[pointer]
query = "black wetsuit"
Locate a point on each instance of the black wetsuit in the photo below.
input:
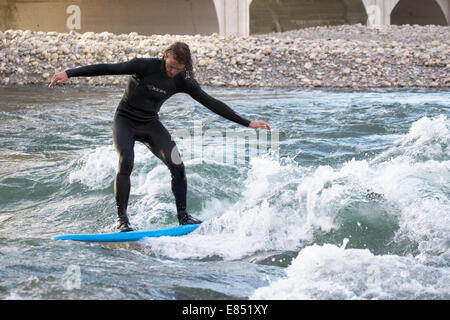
(137, 118)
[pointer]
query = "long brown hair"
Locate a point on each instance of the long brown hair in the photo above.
(180, 51)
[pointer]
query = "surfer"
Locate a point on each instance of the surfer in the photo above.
(152, 82)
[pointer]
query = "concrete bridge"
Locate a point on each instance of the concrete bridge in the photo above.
(227, 17)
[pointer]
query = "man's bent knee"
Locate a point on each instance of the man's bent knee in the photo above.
(126, 160)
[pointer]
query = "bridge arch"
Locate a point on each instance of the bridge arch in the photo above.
(282, 15)
(421, 12)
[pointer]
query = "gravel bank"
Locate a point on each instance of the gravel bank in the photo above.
(352, 56)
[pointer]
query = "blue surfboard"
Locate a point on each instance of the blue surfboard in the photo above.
(130, 236)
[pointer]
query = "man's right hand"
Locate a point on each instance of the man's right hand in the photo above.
(58, 77)
(259, 124)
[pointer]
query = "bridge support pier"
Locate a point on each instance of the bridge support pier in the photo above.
(233, 17)
(379, 12)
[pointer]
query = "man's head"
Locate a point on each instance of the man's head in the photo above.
(172, 65)
(177, 58)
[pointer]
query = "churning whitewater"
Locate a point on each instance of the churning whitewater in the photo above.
(352, 204)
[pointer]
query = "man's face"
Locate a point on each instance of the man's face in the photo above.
(173, 66)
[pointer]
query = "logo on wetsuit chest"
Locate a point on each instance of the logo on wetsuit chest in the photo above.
(156, 89)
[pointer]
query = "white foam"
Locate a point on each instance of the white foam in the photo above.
(151, 197)
(265, 219)
(282, 204)
(156, 202)
(427, 139)
(418, 190)
(331, 272)
(96, 168)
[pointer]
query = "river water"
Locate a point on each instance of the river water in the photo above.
(348, 199)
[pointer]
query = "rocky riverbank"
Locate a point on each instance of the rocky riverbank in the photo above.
(352, 56)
